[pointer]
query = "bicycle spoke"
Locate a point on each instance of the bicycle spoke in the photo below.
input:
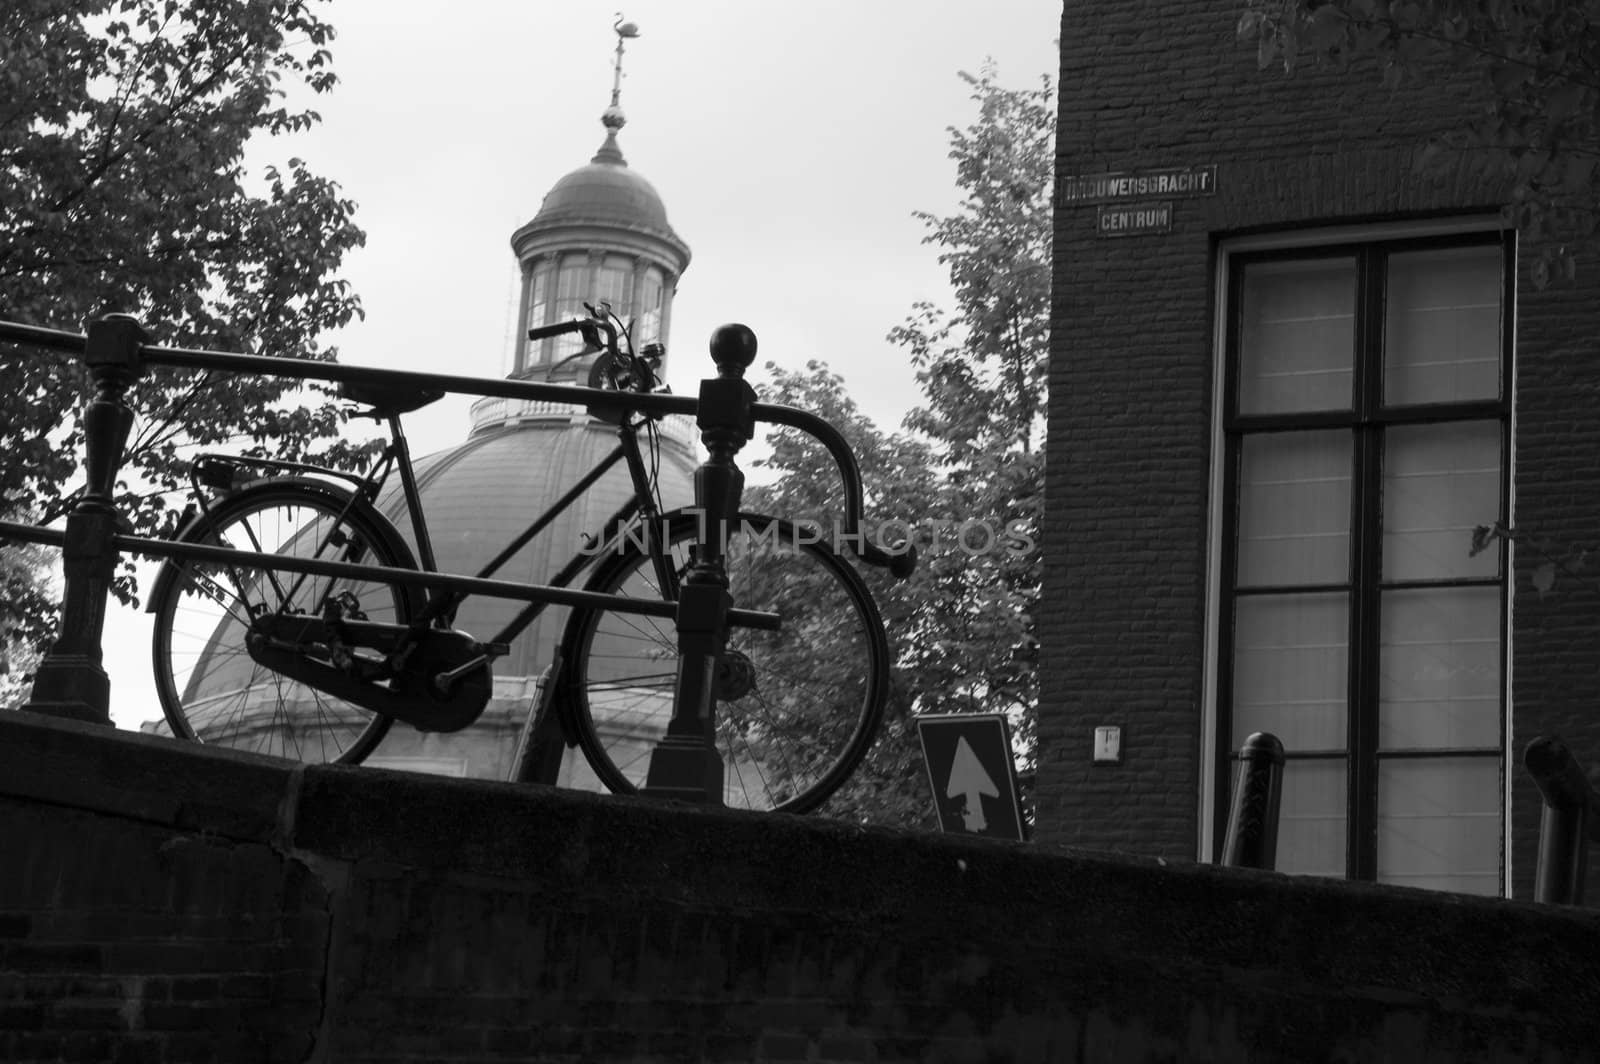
(210, 687)
(797, 707)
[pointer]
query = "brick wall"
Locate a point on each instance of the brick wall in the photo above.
(1145, 86)
(160, 902)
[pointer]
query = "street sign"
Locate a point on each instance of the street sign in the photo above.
(973, 776)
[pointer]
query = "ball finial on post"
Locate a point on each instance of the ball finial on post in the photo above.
(733, 348)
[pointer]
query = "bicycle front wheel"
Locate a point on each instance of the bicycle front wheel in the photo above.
(211, 690)
(795, 709)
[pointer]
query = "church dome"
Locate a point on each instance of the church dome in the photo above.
(604, 203)
(608, 193)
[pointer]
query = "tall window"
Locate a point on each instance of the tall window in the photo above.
(1366, 432)
(572, 288)
(614, 283)
(538, 308)
(648, 313)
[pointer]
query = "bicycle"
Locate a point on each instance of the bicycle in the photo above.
(318, 665)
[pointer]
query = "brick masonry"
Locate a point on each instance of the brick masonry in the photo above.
(1122, 624)
(163, 902)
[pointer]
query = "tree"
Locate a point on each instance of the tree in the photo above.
(966, 477)
(898, 480)
(1536, 119)
(123, 127)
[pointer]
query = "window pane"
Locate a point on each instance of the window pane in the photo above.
(1294, 508)
(538, 307)
(570, 284)
(1442, 326)
(614, 284)
(1289, 668)
(1297, 336)
(1439, 483)
(649, 309)
(1439, 823)
(1311, 818)
(1439, 679)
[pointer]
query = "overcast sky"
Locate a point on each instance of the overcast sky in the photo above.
(790, 144)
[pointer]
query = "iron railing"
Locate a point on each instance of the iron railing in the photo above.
(116, 350)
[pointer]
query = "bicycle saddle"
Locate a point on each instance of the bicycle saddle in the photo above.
(389, 399)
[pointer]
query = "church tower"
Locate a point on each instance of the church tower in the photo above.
(600, 235)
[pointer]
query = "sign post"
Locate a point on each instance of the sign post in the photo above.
(974, 779)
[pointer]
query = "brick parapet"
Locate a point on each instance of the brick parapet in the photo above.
(383, 916)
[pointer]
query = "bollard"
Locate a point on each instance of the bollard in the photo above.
(685, 764)
(1564, 826)
(70, 681)
(1252, 839)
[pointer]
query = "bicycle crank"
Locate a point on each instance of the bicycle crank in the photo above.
(327, 656)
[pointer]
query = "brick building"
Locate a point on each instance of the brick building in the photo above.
(1291, 373)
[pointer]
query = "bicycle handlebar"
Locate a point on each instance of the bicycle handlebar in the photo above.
(589, 327)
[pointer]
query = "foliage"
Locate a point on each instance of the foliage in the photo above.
(966, 477)
(123, 127)
(898, 476)
(1537, 62)
(1571, 562)
(25, 569)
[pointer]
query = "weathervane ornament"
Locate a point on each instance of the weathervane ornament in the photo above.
(613, 118)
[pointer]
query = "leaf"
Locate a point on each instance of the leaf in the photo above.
(1482, 536)
(1544, 577)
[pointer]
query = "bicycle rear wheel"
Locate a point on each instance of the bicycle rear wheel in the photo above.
(211, 690)
(796, 709)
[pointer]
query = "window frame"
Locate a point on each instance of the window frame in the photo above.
(1368, 418)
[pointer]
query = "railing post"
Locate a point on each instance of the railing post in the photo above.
(1252, 839)
(1565, 824)
(70, 681)
(685, 763)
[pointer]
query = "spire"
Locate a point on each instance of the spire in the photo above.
(613, 118)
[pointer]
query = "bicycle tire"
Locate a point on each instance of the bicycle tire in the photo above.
(790, 728)
(211, 690)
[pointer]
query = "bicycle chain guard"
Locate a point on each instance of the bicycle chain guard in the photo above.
(306, 648)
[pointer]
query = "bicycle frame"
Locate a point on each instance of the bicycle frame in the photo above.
(442, 603)
(640, 506)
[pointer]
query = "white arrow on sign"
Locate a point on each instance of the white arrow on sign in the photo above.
(968, 778)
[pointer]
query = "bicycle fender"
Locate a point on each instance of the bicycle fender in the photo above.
(193, 529)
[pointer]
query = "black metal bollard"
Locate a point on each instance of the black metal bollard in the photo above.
(1567, 821)
(1252, 839)
(70, 681)
(685, 763)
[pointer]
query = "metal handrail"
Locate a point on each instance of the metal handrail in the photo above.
(684, 763)
(593, 399)
(1568, 823)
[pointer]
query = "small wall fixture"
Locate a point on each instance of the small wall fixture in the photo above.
(1108, 745)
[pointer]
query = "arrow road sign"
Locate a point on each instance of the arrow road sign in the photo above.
(974, 780)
